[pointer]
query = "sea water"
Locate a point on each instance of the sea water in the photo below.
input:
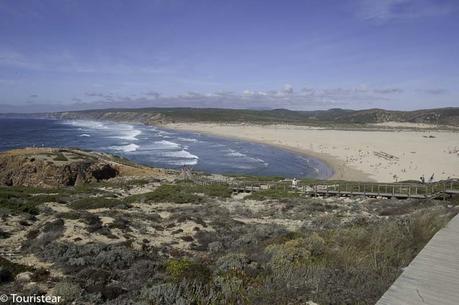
(160, 147)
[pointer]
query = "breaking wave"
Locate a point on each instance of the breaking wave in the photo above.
(163, 144)
(126, 148)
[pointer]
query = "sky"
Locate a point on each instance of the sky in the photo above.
(261, 54)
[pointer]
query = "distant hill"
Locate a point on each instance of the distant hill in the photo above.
(151, 116)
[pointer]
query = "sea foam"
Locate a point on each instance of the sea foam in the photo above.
(126, 148)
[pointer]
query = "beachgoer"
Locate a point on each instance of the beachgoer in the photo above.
(294, 183)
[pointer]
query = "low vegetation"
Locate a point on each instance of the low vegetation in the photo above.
(95, 203)
(60, 157)
(114, 243)
(442, 116)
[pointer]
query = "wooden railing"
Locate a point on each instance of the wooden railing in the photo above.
(402, 190)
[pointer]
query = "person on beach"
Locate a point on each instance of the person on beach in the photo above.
(423, 180)
(294, 183)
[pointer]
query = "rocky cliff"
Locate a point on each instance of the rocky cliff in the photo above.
(48, 167)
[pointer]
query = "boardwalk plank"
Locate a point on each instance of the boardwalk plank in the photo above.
(432, 278)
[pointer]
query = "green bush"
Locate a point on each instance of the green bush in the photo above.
(19, 205)
(95, 203)
(212, 190)
(28, 199)
(67, 290)
(292, 254)
(180, 269)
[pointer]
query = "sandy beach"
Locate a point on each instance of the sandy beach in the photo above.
(383, 155)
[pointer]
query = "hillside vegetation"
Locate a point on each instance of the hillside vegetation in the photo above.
(159, 239)
(440, 116)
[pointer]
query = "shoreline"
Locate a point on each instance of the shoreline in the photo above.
(340, 170)
(357, 155)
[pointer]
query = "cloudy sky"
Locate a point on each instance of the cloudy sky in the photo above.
(296, 54)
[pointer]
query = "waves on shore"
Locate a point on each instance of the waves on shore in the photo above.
(143, 142)
(126, 148)
(161, 147)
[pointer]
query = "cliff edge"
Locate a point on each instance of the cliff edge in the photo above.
(53, 167)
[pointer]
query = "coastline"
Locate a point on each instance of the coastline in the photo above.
(359, 155)
(340, 170)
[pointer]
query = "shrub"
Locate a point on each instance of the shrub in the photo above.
(19, 205)
(69, 215)
(5, 275)
(180, 269)
(232, 262)
(4, 235)
(9, 270)
(291, 254)
(212, 190)
(316, 244)
(67, 290)
(95, 203)
(25, 200)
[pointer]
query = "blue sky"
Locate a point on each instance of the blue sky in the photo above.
(297, 54)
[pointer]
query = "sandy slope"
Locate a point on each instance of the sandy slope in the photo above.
(356, 154)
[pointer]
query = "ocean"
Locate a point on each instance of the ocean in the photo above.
(160, 147)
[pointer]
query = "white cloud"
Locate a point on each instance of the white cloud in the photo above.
(288, 89)
(287, 97)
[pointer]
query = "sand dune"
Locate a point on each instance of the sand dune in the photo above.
(380, 155)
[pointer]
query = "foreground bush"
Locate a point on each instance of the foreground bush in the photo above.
(95, 203)
(352, 265)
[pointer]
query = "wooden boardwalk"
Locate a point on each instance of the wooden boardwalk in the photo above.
(432, 278)
(437, 190)
(387, 190)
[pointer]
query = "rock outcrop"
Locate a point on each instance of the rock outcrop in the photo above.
(53, 168)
